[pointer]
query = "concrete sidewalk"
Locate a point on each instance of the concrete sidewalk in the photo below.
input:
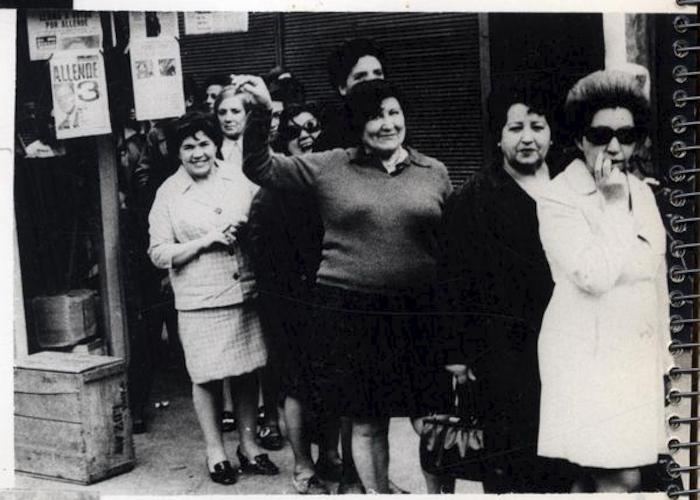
(170, 456)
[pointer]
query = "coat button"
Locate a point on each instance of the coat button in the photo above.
(236, 276)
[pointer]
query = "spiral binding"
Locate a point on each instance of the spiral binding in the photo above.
(683, 176)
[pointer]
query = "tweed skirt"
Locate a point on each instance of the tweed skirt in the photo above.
(222, 342)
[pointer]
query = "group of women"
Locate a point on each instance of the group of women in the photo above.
(338, 254)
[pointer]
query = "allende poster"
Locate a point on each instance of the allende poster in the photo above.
(79, 91)
(156, 73)
(57, 30)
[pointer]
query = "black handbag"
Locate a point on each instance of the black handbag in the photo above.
(453, 445)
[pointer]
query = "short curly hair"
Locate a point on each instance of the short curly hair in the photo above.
(344, 57)
(364, 102)
(601, 90)
(187, 126)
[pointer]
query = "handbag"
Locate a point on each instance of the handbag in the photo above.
(453, 444)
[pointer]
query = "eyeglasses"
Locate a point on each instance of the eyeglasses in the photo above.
(293, 130)
(601, 136)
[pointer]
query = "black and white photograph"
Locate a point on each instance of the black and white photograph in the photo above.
(378, 253)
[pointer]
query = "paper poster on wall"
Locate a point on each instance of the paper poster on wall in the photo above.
(156, 73)
(152, 25)
(79, 91)
(50, 31)
(207, 22)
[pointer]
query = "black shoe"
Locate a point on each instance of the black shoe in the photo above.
(329, 471)
(223, 473)
(228, 422)
(270, 438)
(261, 464)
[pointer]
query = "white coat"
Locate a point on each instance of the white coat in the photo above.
(603, 348)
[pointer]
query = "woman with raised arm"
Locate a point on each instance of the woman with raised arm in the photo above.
(381, 203)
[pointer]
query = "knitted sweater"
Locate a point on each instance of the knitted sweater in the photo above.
(380, 228)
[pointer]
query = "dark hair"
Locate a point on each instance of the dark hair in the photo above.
(222, 80)
(190, 88)
(344, 57)
(188, 126)
(283, 86)
(537, 95)
(605, 89)
(364, 102)
(289, 113)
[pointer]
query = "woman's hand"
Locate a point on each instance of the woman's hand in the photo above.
(254, 88)
(225, 235)
(610, 180)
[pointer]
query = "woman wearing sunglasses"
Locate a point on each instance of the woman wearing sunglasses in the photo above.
(603, 346)
(299, 128)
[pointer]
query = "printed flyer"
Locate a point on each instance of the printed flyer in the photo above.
(56, 30)
(79, 91)
(156, 73)
(207, 22)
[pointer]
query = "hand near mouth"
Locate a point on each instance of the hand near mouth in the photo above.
(611, 179)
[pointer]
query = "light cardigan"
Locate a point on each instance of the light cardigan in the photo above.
(182, 212)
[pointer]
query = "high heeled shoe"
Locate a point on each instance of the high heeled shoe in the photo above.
(223, 473)
(261, 464)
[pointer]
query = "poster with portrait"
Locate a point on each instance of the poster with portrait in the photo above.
(152, 24)
(156, 73)
(79, 91)
(56, 30)
(207, 22)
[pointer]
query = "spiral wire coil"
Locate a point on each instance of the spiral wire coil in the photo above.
(685, 227)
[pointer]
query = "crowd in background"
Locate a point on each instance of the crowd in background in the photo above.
(315, 258)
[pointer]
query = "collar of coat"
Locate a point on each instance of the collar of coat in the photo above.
(184, 181)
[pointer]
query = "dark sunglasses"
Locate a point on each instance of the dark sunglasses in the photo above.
(603, 135)
(293, 130)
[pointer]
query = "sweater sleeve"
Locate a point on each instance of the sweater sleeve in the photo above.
(270, 170)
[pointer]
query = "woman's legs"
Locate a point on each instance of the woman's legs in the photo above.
(206, 398)
(370, 450)
(244, 389)
(329, 437)
(270, 382)
(294, 420)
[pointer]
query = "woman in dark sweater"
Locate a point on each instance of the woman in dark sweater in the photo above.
(381, 204)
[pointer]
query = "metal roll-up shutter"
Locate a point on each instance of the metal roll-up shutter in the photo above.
(434, 58)
(251, 52)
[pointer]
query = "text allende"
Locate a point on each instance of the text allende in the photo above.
(75, 72)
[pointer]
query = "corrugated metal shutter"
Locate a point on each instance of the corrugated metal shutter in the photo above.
(434, 58)
(252, 52)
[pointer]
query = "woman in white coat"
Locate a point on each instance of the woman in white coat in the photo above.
(603, 348)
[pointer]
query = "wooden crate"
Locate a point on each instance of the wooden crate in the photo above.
(64, 319)
(72, 418)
